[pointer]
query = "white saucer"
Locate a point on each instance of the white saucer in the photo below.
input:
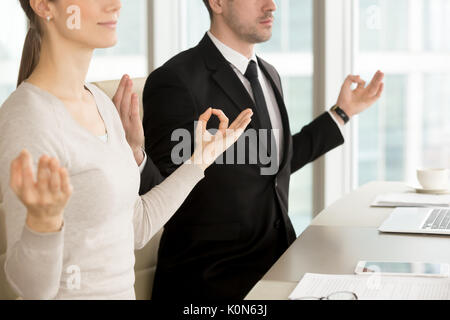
(431, 191)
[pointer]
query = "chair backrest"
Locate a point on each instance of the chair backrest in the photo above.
(146, 258)
(110, 87)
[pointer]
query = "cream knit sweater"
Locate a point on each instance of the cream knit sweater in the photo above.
(105, 220)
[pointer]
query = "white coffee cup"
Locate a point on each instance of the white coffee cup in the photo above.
(433, 179)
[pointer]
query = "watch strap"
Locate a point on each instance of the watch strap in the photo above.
(341, 113)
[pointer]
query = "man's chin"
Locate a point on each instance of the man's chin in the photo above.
(265, 39)
(260, 38)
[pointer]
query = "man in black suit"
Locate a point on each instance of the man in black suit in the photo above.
(235, 223)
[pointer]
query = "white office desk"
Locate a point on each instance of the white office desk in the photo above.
(342, 235)
(353, 210)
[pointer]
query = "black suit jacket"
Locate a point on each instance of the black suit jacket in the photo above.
(235, 224)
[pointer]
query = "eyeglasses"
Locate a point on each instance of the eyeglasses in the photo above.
(341, 295)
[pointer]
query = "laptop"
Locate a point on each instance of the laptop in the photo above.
(418, 220)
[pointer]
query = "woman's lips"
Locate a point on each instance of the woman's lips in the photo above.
(109, 24)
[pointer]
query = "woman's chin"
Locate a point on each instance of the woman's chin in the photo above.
(107, 43)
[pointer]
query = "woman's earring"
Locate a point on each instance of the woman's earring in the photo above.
(48, 18)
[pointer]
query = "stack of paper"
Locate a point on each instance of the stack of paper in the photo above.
(412, 200)
(373, 287)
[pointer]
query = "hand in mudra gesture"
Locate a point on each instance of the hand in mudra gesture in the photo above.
(209, 147)
(45, 197)
(362, 97)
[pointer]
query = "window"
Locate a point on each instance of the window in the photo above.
(13, 29)
(409, 127)
(290, 51)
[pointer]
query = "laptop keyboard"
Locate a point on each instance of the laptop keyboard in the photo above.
(439, 219)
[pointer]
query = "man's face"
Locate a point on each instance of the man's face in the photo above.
(251, 20)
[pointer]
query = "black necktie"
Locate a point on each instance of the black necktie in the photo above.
(260, 102)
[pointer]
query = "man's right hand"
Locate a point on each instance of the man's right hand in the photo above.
(44, 198)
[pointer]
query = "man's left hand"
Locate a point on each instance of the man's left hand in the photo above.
(353, 102)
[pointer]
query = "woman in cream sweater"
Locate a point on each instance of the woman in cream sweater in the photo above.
(72, 229)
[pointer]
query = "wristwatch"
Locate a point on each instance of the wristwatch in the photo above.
(341, 113)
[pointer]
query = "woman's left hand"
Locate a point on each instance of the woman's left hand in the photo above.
(127, 105)
(356, 101)
(209, 147)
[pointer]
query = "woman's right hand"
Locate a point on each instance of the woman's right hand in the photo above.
(44, 198)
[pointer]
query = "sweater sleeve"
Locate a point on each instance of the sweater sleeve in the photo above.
(34, 261)
(154, 209)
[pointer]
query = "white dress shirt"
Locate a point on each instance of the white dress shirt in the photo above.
(144, 162)
(239, 63)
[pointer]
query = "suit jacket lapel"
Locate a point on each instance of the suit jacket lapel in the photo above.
(227, 79)
(271, 74)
